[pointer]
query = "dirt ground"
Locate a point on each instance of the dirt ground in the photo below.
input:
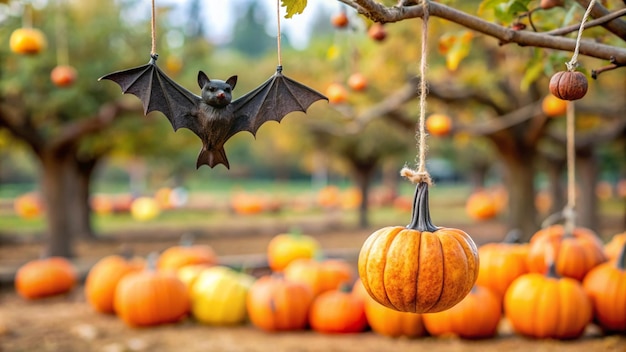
(66, 323)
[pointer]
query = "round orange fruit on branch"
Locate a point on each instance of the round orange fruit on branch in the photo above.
(63, 75)
(439, 125)
(340, 20)
(336, 93)
(28, 41)
(420, 268)
(357, 82)
(553, 106)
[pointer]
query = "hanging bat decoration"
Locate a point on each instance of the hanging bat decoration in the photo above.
(214, 116)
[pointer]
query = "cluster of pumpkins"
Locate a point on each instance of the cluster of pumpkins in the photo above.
(543, 296)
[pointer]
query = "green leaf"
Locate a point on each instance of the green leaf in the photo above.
(488, 5)
(293, 7)
(534, 69)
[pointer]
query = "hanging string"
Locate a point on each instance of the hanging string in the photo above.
(27, 16)
(421, 175)
(573, 63)
(569, 210)
(61, 35)
(153, 30)
(280, 60)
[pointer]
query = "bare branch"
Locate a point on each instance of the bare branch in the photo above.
(593, 23)
(617, 27)
(383, 14)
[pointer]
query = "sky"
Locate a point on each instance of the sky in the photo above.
(223, 15)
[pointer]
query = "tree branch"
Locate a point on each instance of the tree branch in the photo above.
(597, 22)
(617, 27)
(383, 14)
(103, 119)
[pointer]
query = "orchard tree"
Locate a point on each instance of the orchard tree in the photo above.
(515, 122)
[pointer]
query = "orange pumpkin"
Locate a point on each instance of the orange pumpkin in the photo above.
(614, 246)
(103, 278)
(578, 252)
(386, 321)
(477, 316)
(606, 286)
(481, 205)
(45, 277)
(320, 276)
(419, 268)
(275, 304)
(337, 311)
(186, 253)
(500, 264)
(285, 248)
(150, 297)
(547, 306)
(28, 206)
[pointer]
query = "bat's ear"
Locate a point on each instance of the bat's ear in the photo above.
(203, 79)
(232, 82)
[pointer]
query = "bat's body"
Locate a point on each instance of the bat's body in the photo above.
(213, 116)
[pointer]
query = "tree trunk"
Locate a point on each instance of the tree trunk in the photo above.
(363, 181)
(555, 169)
(587, 201)
(81, 206)
(520, 184)
(57, 191)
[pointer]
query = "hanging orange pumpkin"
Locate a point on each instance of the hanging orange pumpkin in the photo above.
(275, 304)
(606, 286)
(320, 276)
(500, 264)
(150, 297)
(103, 278)
(386, 321)
(337, 311)
(45, 277)
(578, 252)
(419, 268)
(547, 306)
(477, 316)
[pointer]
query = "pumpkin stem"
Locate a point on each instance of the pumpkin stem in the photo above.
(550, 259)
(513, 236)
(621, 258)
(152, 259)
(187, 239)
(420, 216)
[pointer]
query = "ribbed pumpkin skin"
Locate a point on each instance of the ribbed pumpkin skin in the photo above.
(577, 254)
(151, 298)
(390, 322)
(606, 286)
(477, 316)
(176, 257)
(275, 304)
(546, 307)
(419, 272)
(45, 277)
(337, 312)
(320, 276)
(500, 264)
(103, 279)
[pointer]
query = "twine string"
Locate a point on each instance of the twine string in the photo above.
(61, 35)
(280, 60)
(153, 30)
(421, 174)
(569, 210)
(573, 63)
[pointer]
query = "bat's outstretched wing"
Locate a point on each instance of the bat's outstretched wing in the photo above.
(271, 101)
(158, 92)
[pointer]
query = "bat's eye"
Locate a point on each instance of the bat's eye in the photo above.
(212, 89)
(227, 90)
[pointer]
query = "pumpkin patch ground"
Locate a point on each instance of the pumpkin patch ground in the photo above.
(68, 323)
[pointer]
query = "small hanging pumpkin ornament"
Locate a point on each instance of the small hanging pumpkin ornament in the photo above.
(420, 268)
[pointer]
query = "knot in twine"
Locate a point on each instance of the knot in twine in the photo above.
(416, 176)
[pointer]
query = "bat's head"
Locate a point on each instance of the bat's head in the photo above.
(215, 92)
